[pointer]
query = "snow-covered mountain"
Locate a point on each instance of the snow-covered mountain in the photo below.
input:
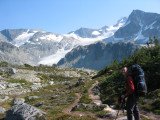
(101, 33)
(48, 48)
(138, 28)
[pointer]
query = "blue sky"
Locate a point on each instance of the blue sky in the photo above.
(63, 16)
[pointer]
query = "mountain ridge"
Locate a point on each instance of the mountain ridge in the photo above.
(97, 55)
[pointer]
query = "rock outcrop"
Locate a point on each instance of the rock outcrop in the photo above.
(23, 112)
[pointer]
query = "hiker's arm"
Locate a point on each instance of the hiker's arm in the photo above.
(130, 86)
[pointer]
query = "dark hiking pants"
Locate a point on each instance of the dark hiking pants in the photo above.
(132, 107)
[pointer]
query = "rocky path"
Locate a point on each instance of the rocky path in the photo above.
(79, 113)
(68, 110)
(95, 99)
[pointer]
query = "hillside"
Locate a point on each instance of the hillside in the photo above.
(98, 55)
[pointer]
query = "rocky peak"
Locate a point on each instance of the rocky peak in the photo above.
(139, 27)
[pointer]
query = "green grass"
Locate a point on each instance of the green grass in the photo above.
(85, 99)
(69, 117)
(151, 103)
(2, 116)
(18, 81)
(144, 118)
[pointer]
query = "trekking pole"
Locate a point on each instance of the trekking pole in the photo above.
(118, 110)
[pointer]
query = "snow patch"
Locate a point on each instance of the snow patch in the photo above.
(150, 26)
(83, 56)
(52, 37)
(116, 27)
(140, 36)
(72, 35)
(53, 59)
(118, 39)
(23, 38)
(95, 33)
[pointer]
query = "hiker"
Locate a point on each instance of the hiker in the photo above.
(132, 98)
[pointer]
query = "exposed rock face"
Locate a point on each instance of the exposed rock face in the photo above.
(14, 55)
(97, 56)
(23, 112)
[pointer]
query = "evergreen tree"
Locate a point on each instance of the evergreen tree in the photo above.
(156, 41)
(150, 40)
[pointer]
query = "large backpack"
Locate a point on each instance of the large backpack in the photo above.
(139, 80)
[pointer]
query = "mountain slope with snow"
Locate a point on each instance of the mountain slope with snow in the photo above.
(138, 28)
(101, 33)
(48, 48)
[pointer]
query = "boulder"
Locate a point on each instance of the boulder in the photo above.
(2, 110)
(2, 70)
(51, 82)
(23, 112)
(4, 99)
(81, 79)
(67, 82)
(17, 101)
(3, 86)
(36, 86)
(12, 70)
(13, 85)
(32, 97)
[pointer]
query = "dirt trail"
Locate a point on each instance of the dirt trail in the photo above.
(68, 110)
(94, 98)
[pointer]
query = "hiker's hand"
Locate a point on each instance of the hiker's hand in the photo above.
(123, 96)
